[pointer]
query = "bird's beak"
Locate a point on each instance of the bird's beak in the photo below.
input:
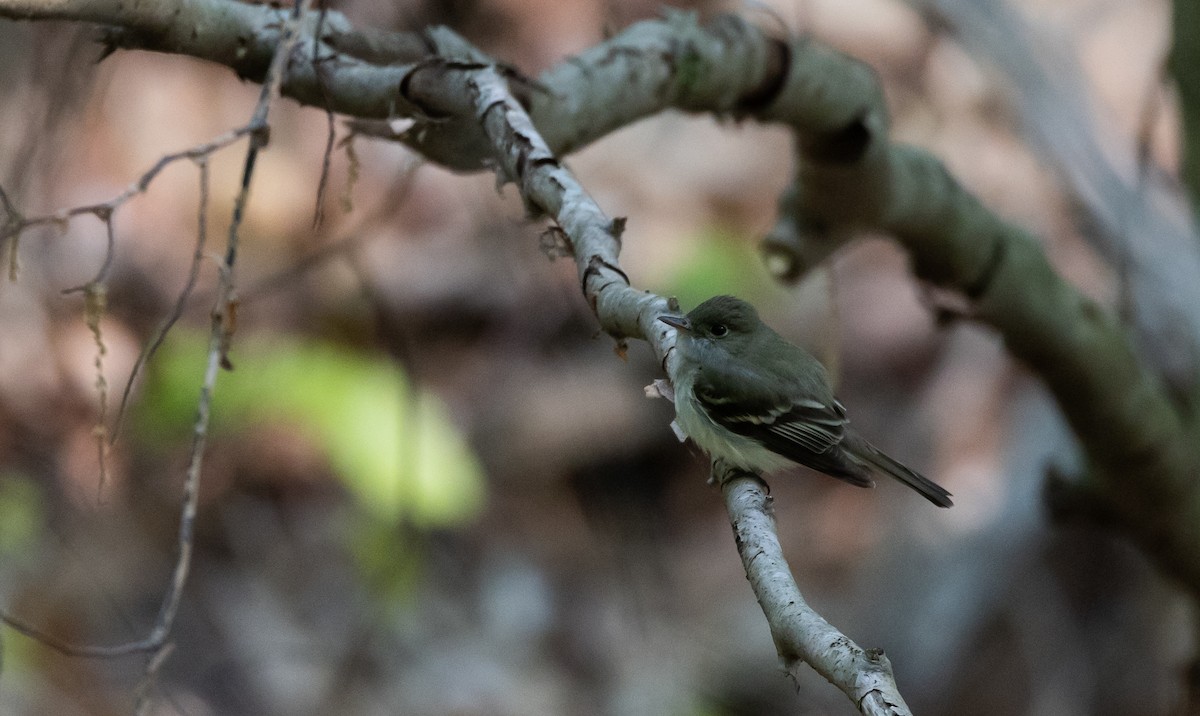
(680, 322)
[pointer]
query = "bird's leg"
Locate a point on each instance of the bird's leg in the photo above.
(723, 471)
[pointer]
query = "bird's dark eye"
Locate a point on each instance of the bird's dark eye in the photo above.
(719, 330)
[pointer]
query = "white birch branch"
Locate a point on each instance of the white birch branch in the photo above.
(801, 635)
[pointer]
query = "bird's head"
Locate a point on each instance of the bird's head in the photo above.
(721, 321)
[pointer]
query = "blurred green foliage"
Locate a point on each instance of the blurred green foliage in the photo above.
(721, 262)
(22, 526)
(22, 515)
(394, 446)
(390, 558)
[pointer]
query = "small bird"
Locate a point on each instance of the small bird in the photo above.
(748, 397)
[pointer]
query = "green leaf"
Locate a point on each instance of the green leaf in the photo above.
(395, 447)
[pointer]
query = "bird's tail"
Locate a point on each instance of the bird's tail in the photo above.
(871, 455)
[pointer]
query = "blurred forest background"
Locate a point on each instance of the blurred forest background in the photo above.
(432, 488)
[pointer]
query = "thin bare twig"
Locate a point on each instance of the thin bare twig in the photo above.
(353, 239)
(160, 333)
(330, 127)
(105, 214)
(16, 223)
(77, 650)
(156, 643)
(9, 209)
(9, 233)
(104, 209)
(223, 326)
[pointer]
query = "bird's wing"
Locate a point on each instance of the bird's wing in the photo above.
(795, 417)
(799, 427)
